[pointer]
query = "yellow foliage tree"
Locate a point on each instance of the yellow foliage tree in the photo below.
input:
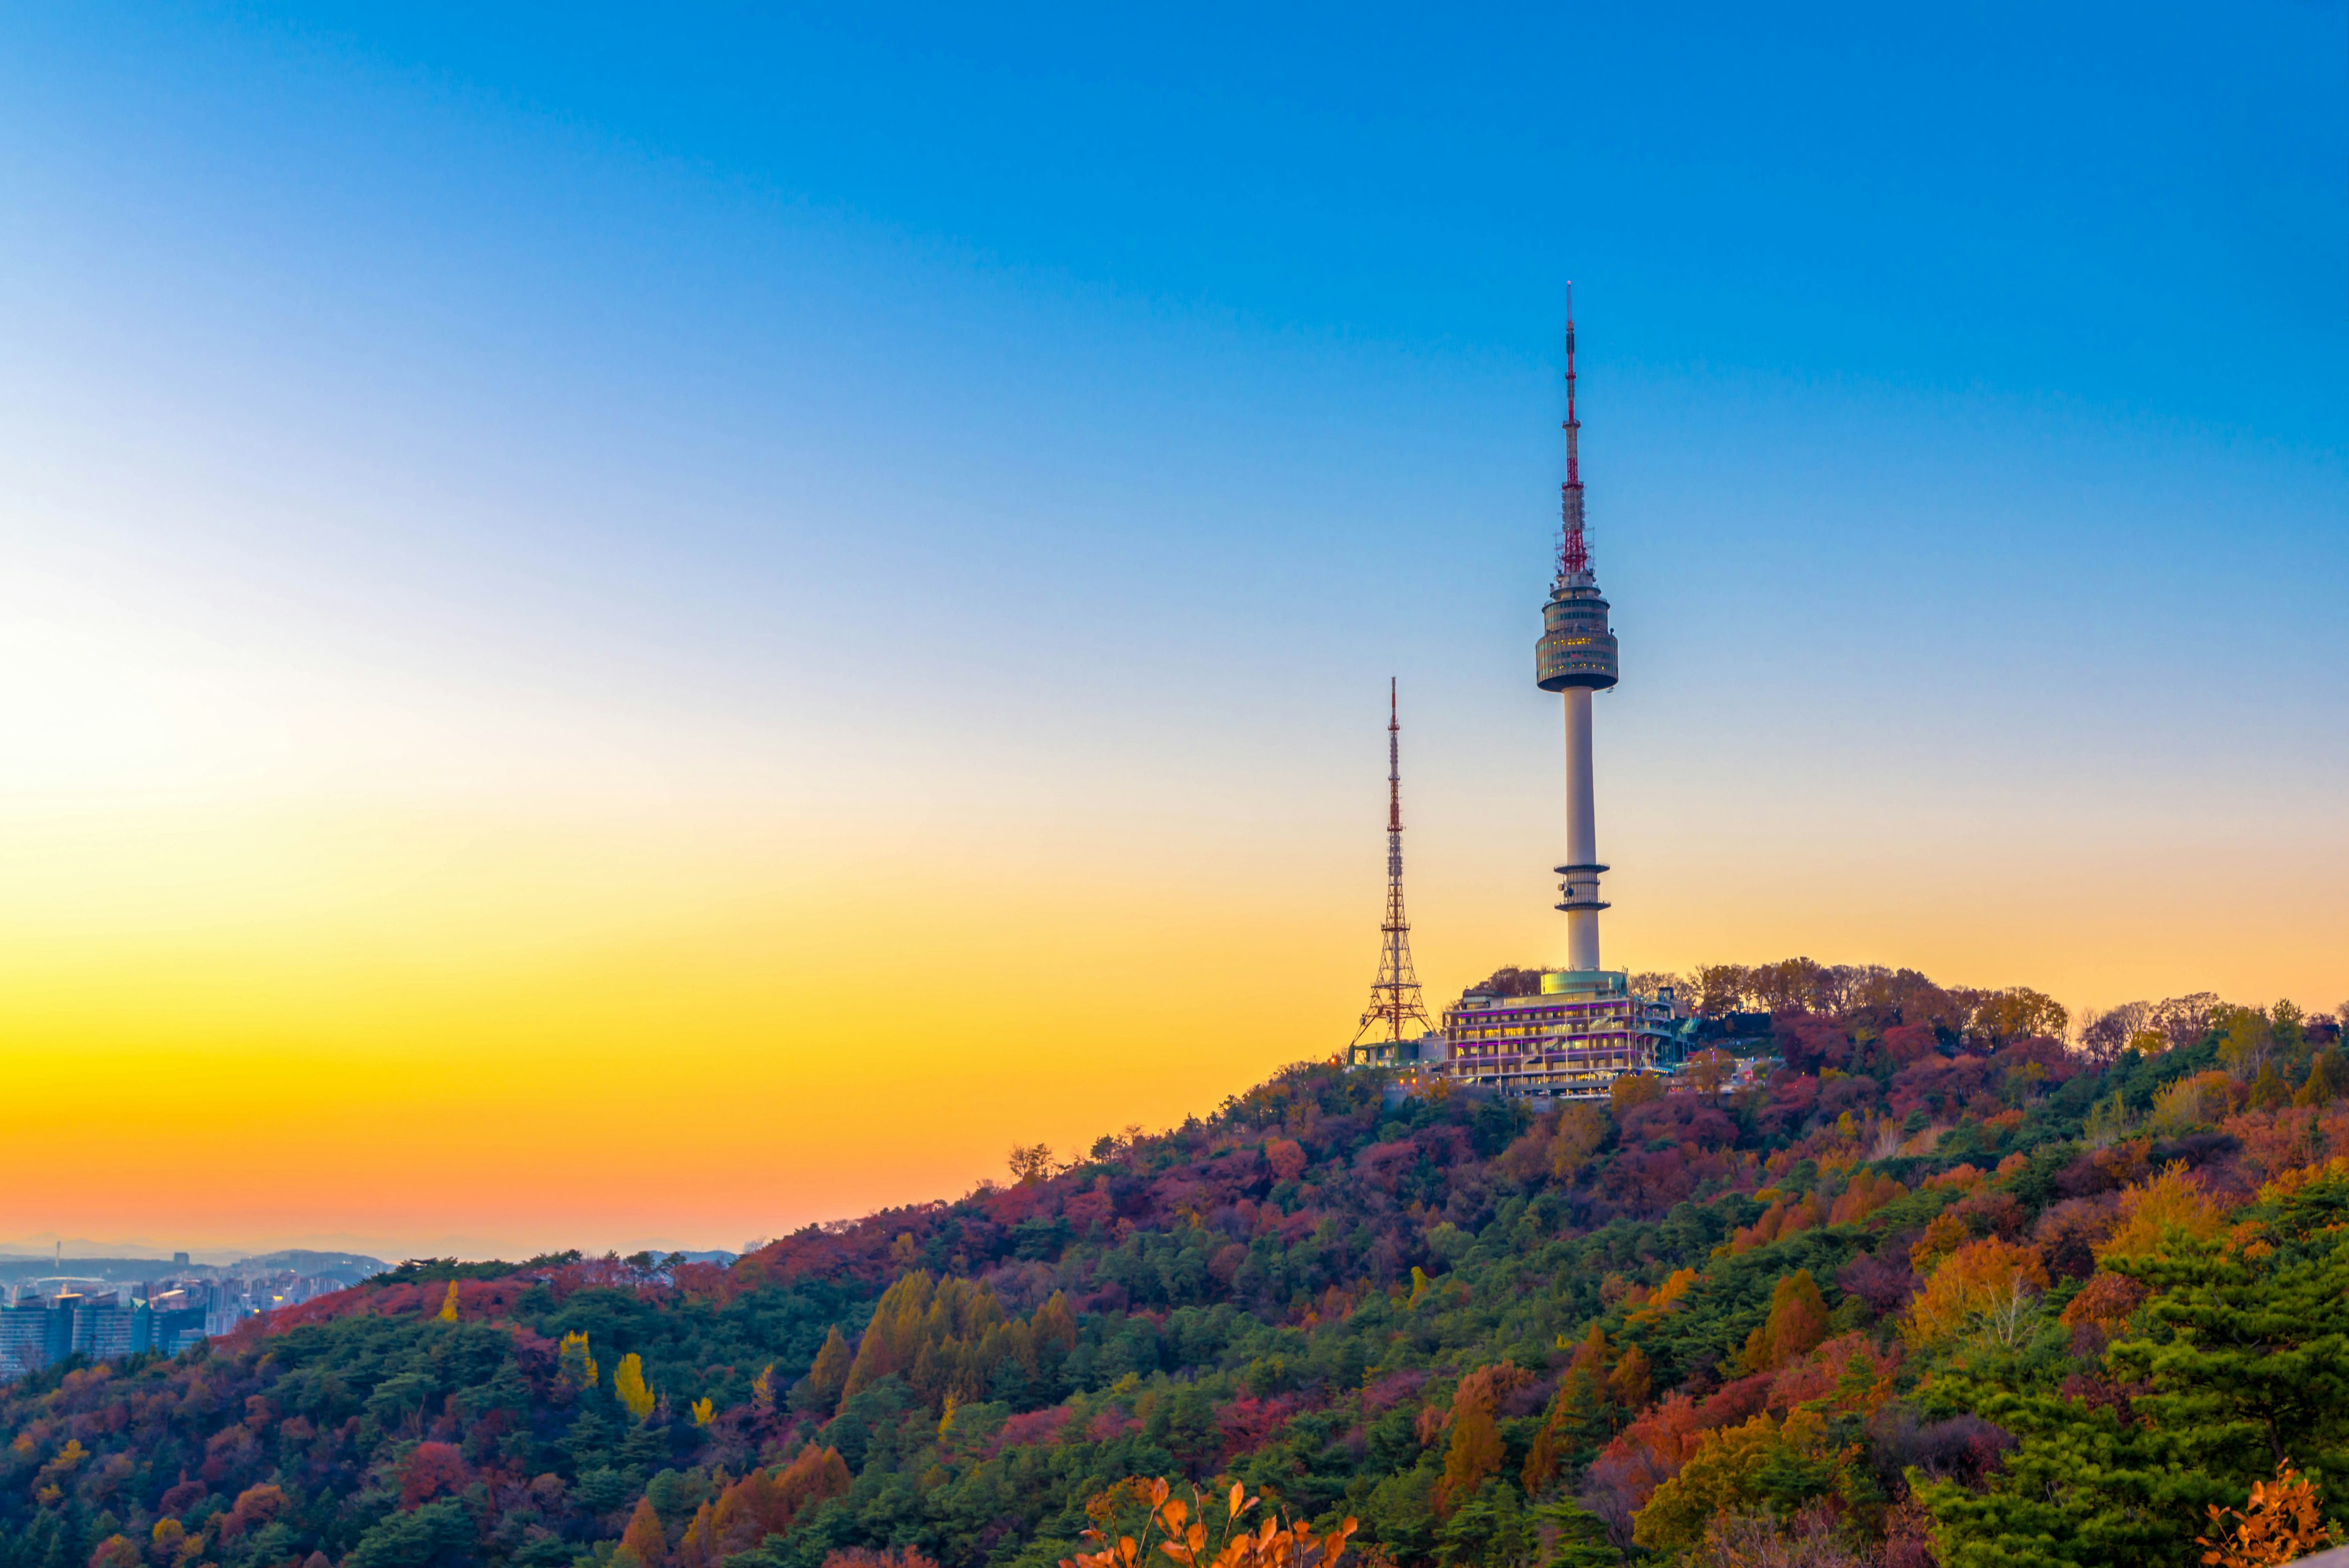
(762, 1390)
(827, 1378)
(1723, 1477)
(628, 1386)
(2199, 1100)
(946, 1337)
(448, 1305)
(1634, 1089)
(1944, 1234)
(1054, 1323)
(2327, 1080)
(1990, 1280)
(705, 1411)
(2152, 1209)
(2019, 1011)
(1581, 1130)
(573, 1365)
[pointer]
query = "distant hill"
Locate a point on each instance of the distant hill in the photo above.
(1870, 1309)
(18, 1268)
(348, 1267)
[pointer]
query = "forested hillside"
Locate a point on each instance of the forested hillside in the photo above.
(1940, 1288)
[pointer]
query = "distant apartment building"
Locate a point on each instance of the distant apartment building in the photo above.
(52, 1318)
(108, 1327)
(38, 1330)
(171, 1330)
(32, 1335)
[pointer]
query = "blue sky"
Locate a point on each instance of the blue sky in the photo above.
(938, 439)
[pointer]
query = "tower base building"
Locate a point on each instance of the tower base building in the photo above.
(1583, 1030)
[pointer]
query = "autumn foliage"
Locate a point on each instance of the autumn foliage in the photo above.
(762, 1503)
(948, 1337)
(1870, 1303)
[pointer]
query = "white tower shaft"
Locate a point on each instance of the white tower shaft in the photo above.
(1580, 871)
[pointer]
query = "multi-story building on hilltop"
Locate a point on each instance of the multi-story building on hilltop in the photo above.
(1572, 1040)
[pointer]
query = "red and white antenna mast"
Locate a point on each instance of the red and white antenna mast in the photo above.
(1573, 555)
(1395, 1001)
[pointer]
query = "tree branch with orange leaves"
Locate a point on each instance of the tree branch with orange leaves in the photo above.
(1194, 1537)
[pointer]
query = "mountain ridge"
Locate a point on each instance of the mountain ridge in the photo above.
(1496, 1334)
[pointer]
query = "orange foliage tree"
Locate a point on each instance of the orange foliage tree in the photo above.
(644, 1536)
(761, 1504)
(1777, 1222)
(1868, 1191)
(1798, 1321)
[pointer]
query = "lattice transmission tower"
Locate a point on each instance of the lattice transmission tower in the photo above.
(1394, 995)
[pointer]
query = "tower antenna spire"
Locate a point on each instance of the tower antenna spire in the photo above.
(1573, 555)
(1394, 995)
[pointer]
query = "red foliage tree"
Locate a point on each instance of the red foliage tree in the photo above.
(433, 1469)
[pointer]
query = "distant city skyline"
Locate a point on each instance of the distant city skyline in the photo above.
(620, 627)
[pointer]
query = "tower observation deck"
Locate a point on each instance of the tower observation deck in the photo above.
(1576, 656)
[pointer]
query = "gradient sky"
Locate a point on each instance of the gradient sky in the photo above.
(623, 627)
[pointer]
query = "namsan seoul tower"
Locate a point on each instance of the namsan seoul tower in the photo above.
(1576, 656)
(1586, 1028)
